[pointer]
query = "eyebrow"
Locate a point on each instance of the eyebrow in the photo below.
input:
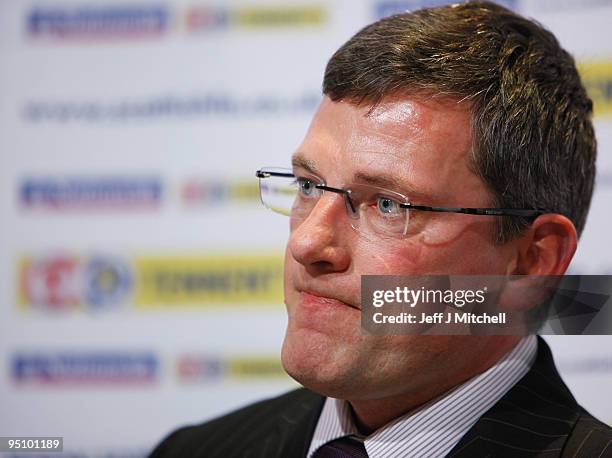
(300, 161)
(391, 183)
(382, 181)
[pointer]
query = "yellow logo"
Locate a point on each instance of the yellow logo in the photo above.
(256, 367)
(213, 280)
(210, 18)
(196, 192)
(194, 368)
(259, 17)
(597, 78)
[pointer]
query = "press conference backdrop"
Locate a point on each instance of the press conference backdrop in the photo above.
(140, 278)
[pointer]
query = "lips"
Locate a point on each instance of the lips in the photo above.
(315, 300)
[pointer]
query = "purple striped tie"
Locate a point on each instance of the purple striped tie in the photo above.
(345, 447)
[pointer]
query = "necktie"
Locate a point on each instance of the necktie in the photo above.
(345, 447)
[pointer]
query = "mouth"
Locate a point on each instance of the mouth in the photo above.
(318, 300)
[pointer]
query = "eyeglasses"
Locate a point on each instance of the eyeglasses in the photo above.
(372, 210)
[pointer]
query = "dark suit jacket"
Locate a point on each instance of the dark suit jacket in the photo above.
(538, 417)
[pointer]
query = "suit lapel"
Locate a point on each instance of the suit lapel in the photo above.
(533, 419)
(297, 424)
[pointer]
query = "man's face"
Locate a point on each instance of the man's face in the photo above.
(422, 150)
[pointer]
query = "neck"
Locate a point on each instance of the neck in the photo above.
(371, 414)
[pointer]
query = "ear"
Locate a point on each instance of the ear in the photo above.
(547, 247)
(544, 252)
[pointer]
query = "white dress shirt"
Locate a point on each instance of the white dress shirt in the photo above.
(435, 428)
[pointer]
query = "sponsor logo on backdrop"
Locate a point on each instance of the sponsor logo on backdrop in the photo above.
(99, 283)
(100, 367)
(211, 193)
(65, 282)
(81, 22)
(90, 193)
(191, 280)
(116, 21)
(215, 18)
(213, 104)
(107, 282)
(193, 368)
(387, 8)
(597, 78)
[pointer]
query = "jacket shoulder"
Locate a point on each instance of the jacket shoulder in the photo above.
(242, 432)
(589, 438)
(537, 417)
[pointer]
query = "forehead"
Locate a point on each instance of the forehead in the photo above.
(424, 145)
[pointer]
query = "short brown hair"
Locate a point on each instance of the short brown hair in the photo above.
(534, 144)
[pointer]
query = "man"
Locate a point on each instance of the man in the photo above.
(463, 106)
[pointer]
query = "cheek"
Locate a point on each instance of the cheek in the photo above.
(389, 257)
(470, 253)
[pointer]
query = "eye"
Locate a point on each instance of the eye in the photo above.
(306, 187)
(388, 206)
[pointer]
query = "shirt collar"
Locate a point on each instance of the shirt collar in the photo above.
(435, 428)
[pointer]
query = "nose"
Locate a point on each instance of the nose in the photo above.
(319, 241)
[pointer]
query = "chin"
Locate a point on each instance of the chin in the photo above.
(316, 366)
